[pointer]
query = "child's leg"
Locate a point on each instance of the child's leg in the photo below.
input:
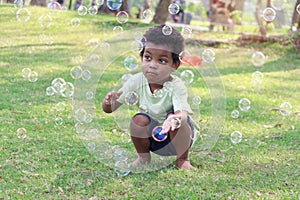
(139, 127)
(181, 140)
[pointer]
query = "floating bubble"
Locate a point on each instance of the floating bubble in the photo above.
(138, 36)
(158, 135)
(131, 63)
(54, 5)
(122, 17)
(78, 59)
(89, 95)
(75, 22)
(23, 15)
(91, 146)
(45, 21)
(184, 54)
(244, 104)
(208, 55)
(99, 2)
(286, 109)
(88, 118)
(167, 30)
(196, 100)
(93, 59)
(187, 76)
(25, 72)
(50, 91)
(235, 114)
(186, 31)
(174, 8)
(80, 115)
(158, 93)
(18, 4)
(125, 77)
(114, 4)
(59, 121)
(68, 90)
(120, 154)
(131, 98)
(298, 8)
(258, 59)
(136, 46)
(21, 133)
(82, 10)
(64, 8)
(80, 127)
(60, 106)
(93, 43)
(236, 137)
(58, 84)
(93, 10)
(147, 14)
(257, 78)
(176, 123)
(76, 72)
(117, 29)
(33, 76)
(86, 75)
(269, 14)
(122, 168)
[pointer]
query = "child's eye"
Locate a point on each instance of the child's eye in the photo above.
(163, 61)
(147, 57)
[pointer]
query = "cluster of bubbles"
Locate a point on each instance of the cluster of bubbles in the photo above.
(30, 75)
(121, 166)
(61, 87)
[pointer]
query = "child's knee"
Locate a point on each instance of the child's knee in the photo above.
(140, 120)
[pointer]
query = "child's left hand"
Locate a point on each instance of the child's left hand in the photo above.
(171, 123)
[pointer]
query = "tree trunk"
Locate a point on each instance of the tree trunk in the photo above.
(296, 16)
(239, 5)
(125, 7)
(38, 3)
(262, 28)
(161, 12)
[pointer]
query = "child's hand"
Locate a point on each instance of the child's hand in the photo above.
(111, 97)
(171, 123)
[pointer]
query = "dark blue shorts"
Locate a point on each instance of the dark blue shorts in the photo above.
(164, 148)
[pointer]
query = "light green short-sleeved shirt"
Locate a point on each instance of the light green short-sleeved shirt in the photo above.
(173, 95)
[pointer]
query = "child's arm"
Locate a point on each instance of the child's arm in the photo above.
(174, 121)
(110, 102)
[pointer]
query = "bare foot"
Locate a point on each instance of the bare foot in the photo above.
(142, 159)
(184, 164)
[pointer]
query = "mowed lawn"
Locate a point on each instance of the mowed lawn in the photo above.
(54, 159)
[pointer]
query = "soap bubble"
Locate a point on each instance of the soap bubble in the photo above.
(122, 168)
(99, 2)
(258, 59)
(131, 98)
(236, 137)
(33, 76)
(187, 76)
(244, 104)
(208, 55)
(76, 72)
(25, 72)
(45, 21)
(114, 4)
(90, 95)
(235, 114)
(18, 4)
(269, 14)
(75, 22)
(131, 63)
(147, 14)
(93, 10)
(257, 78)
(50, 91)
(196, 100)
(60, 106)
(54, 5)
(286, 108)
(58, 84)
(59, 121)
(82, 10)
(23, 15)
(117, 29)
(80, 115)
(122, 17)
(120, 154)
(21, 133)
(68, 90)
(167, 30)
(298, 8)
(86, 75)
(186, 31)
(174, 8)
(158, 93)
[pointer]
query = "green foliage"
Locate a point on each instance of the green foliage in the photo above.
(54, 162)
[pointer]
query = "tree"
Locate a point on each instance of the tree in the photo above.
(161, 12)
(296, 16)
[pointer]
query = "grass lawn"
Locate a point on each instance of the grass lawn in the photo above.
(57, 158)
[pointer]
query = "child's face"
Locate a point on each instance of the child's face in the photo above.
(157, 63)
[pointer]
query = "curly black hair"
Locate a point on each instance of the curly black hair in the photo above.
(174, 41)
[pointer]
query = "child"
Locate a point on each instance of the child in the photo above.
(162, 100)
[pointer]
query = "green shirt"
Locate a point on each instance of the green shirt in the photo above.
(173, 95)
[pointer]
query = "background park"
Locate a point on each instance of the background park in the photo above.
(58, 62)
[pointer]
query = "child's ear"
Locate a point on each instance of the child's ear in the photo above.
(176, 64)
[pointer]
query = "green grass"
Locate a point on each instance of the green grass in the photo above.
(54, 162)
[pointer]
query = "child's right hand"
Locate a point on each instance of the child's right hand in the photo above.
(111, 97)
